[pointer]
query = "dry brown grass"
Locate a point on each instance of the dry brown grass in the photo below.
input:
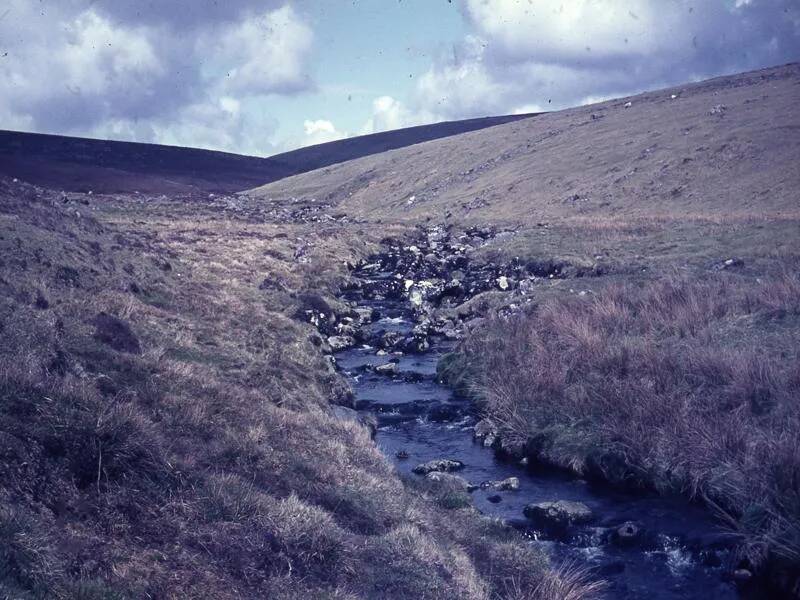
(687, 385)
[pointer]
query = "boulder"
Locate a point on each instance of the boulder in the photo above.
(443, 465)
(341, 342)
(558, 515)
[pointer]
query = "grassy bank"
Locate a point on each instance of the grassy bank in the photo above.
(686, 384)
(165, 422)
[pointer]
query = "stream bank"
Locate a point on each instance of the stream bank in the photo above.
(642, 544)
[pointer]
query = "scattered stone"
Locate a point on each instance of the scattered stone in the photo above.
(365, 315)
(741, 575)
(558, 515)
(443, 465)
(341, 342)
(628, 104)
(729, 264)
(387, 369)
(719, 109)
(507, 485)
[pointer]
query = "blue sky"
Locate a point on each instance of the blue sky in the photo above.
(365, 50)
(265, 76)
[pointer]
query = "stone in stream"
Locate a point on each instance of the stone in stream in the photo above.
(558, 515)
(443, 465)
(510, 484)
(364, 315)
(387, 369)
(341, 342)
(627, 534)
(486, 433)
(495, 498)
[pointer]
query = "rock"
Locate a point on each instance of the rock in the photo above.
(401, 454)
(495, 498)
(116, 333)
(483, 428)
(489, 440)
(443, 465)
(509, 485)
(387, 369)
(503, 283)
(719, 109)
(558, 515)
(365, 315)
(627, 534)
(730, 263)
(741, 575)
(390, 339)
(347, 330)
(341, 342)
(449, 479)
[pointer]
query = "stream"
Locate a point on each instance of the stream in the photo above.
(682, 552)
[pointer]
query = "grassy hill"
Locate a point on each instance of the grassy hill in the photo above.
(81, 165)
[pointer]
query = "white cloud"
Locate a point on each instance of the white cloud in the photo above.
(264, 55)
(321, 131)
(104, 69)
(389, 113)
(553, 53)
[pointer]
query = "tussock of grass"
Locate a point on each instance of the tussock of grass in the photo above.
(686, 385)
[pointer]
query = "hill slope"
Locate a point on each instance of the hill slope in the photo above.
(725, 145)
(78, 164)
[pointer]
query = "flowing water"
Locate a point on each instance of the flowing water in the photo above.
(422, 420)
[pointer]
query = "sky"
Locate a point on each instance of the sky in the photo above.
(265, 76)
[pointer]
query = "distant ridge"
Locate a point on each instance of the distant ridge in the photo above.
(323, 155)
(83, 164)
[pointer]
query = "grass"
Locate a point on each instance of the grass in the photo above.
(206, 463)
(685, 384)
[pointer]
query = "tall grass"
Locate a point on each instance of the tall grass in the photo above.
(689, 386)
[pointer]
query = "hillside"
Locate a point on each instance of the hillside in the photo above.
(323, 155)
(687, 149)
(709, 153)
(81, 165)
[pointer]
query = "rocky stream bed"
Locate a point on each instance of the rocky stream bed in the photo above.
(400, 326)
